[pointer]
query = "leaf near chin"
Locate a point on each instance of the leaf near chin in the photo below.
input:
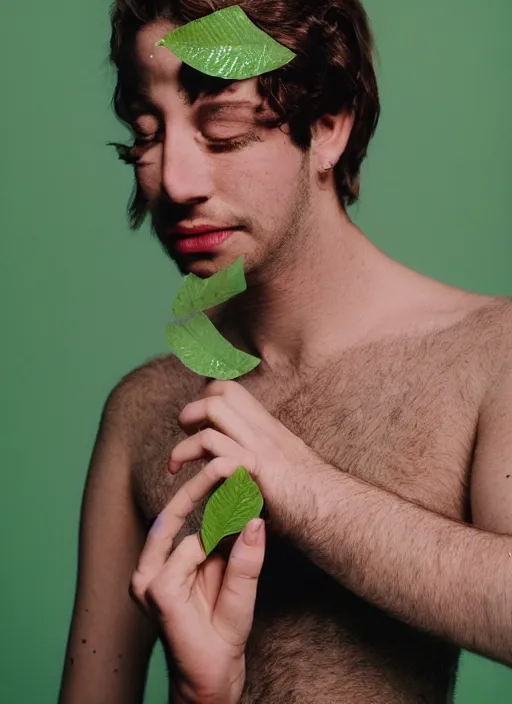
(196, 295)
(201, 348)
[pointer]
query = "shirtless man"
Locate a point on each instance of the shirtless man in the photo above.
(378, 424)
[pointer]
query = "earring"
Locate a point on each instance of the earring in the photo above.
(326, 167)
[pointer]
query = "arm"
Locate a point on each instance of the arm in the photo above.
(445, 577)
(110, 640)
(439, 575)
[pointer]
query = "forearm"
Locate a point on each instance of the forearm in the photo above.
(438, 575)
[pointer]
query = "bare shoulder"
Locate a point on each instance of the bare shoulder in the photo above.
(491, 325)
(471, 330)
(485, 333)
(493, 331)
(148, 392)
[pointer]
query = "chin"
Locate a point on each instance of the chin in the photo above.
(206, 264)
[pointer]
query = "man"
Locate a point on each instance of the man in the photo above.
(378, 424)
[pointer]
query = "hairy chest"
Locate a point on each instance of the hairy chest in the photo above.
(404, 420)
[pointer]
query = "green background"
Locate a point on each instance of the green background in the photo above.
(84, 300)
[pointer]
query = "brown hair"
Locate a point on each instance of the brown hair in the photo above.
(333, 69)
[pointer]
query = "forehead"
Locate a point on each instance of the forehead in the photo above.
(158, 69)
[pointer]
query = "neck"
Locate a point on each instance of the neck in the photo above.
(300, 308)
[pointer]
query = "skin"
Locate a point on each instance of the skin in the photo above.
(205, 605)
(401, 523)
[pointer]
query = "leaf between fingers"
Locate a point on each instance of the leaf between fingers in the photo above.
(229, 509)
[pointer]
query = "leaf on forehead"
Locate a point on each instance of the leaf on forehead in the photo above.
(200, 294)
(230, 507)
(226, 44)
(201, 348)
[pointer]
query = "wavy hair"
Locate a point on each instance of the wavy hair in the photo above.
(333, 70)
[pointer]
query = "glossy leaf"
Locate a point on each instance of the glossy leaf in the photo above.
(227, 44)
(198, 294)
(230, 507)
(201, 348)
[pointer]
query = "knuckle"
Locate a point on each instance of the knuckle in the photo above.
(215, 405)
(230, 388)
(160, 595)
(253, 464)
(137, 587)
(217, 469)
(208, 436)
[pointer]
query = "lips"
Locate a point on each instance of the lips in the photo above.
(208, 241)
(196, 230)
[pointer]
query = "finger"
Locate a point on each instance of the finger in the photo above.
(234, 610)
(204, 443)
(169, 522)
(214, 410)
(240, 400)
(233, 393)
(173, 585)
(210, 576)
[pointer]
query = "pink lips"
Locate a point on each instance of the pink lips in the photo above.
(201, 238)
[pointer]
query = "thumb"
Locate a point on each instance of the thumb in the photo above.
(234, 609)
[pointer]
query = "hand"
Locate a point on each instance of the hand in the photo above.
(203, 606)
(242, 432)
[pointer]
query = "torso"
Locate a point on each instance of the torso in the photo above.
(400, 413)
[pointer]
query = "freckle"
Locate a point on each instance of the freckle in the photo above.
(87, 610)
(72, 660)
(94, 652)
(116, 670)
(119, 656)
(508, 476)
(84, 640)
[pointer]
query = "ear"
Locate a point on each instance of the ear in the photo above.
(330, 135)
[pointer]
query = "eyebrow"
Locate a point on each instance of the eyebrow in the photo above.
(141, 103)
(217, 104)
(224, 102)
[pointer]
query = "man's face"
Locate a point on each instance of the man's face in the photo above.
(212, 161)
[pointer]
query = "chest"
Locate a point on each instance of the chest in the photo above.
(404, 421)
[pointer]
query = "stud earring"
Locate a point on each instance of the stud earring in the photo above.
(326, 167)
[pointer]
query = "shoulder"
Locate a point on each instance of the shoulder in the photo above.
(488, 332)
(149, 392)
(472, 335)
(491, 325)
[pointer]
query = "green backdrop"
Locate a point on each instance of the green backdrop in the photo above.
(84, 300)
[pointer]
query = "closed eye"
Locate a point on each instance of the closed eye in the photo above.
(233, 143)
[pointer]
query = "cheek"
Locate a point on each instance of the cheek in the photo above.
(149, 178)
(264, 184)
(278, 172)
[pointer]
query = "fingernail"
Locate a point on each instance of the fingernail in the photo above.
(252, 531)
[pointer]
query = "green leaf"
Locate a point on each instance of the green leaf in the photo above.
(230, 508)
(228, 45)
(200, 294)
(201, 348)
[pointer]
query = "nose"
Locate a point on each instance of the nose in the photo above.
(186, 178)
